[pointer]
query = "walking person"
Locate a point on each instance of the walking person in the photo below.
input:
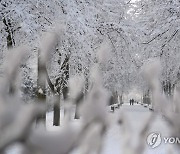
(132, 102)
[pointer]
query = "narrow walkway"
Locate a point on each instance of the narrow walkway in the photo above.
(136, 115)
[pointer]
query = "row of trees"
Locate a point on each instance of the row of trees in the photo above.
(158, 31)
(131, 32)
(85, 27)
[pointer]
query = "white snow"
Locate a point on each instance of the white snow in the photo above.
(136, 115)
(114, 136)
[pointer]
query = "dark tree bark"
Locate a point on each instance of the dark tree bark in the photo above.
(146, 98)
(56, 93)
(41, 86)
(121, 99)
(86, 86)
(115, 95)
(167, 88)
(65, 96)
(65, 78)
(78, 101)
(8, 29)
(10, 44)
(76, 113)
(60, 84)
(56, 118)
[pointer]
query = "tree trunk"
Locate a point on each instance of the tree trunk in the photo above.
(146, 98)
(10, 44)
(65, 79)
(76, 113)
(121, 99)
(86, 87)
(115, 97)
(10, 40)
(65, 96)
(167, 88)
(78, 101)
(41, 87)
(56, 118)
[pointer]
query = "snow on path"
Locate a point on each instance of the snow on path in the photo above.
(135, 114)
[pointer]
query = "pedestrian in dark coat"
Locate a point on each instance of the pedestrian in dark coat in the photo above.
(132, 102)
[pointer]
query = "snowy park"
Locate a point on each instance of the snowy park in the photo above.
(89, 77)
(113, 140)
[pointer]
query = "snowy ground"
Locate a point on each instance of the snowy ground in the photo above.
(136, 115)
(113, 141)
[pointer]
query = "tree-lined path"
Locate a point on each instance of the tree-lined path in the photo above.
(67, 67)
(135, 117)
